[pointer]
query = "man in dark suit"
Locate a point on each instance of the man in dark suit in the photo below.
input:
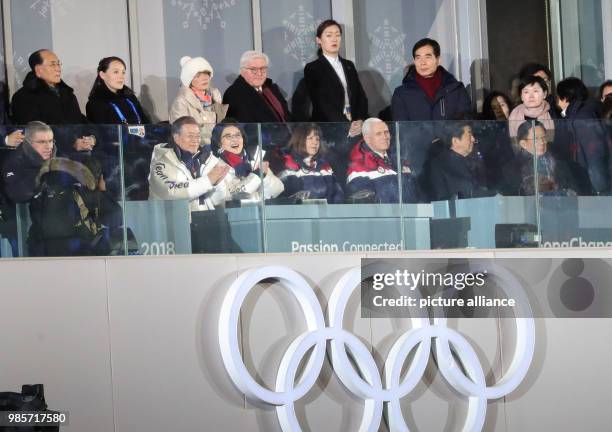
(253, 97)
(44, 96)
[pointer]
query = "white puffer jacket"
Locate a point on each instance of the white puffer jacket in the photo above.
(251, 185)
(170, 179)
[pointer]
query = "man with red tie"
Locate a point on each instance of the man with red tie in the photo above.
(253, 97)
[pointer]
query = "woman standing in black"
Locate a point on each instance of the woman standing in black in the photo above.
(332, 82)
(336, 95)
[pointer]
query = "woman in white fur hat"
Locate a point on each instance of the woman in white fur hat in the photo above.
(197, 97)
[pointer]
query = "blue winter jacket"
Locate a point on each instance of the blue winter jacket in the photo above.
(319, 179)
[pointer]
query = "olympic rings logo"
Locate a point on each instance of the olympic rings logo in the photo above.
(369, 385)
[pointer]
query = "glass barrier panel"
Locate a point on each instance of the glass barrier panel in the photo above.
(238, 146)
(338, 195)
(469, 176)
(575, 203)
(56, 185)
(414, 143)
(175, 191)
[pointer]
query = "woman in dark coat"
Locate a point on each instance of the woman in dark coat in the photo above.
(110, 100)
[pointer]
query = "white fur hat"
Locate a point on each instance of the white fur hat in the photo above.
(190, 68)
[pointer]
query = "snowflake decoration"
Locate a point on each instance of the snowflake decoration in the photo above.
(299, 28)
(389, 50)
(203, 12)
(43, 7)
(20, 65)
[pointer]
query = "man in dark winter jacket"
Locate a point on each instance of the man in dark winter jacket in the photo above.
(454, 174)
(21, 167)
(254, 98)
(44, 96)
(429, 92)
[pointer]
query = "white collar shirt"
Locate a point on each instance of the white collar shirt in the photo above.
(337, 65)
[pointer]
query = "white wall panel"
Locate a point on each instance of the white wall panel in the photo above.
(54, 331)
(62, 321)
(83, 33)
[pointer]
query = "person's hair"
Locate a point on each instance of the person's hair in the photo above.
(36, 59)
(367, 125)
(572, 89)
(103, 66)
(531, 80)
(33, 128)
(177, 126)
(248, 56)
(426, 42)
(487, 109)
(323, 26)
(607, 83)
(455, 129)
(297, 142)
(215, 139)
(524, 130)
(531, 69)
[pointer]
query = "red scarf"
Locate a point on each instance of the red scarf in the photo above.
(240, 163)
(430, 85)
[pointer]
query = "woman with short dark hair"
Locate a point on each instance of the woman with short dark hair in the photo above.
(533, 91)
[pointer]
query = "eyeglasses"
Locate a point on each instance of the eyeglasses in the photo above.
(232, 136)
(260, 70)
(43, 142)
(53, 64)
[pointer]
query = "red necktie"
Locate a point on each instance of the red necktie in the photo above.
(273, 103)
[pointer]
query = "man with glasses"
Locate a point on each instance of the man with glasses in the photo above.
(372, 171)
(253, 97)
(20, 169)
(44, 96)
(184, 170)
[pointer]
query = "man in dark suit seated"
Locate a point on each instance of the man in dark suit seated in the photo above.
(456, 172)
(254, 98)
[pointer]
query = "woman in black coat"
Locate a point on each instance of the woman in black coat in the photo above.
(332, 82)
(110, 100)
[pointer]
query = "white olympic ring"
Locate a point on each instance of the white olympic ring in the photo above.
(370, 387)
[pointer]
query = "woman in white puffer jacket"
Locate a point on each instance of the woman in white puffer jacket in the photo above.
(243, 181)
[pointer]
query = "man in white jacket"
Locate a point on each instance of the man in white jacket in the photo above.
(183, 170)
